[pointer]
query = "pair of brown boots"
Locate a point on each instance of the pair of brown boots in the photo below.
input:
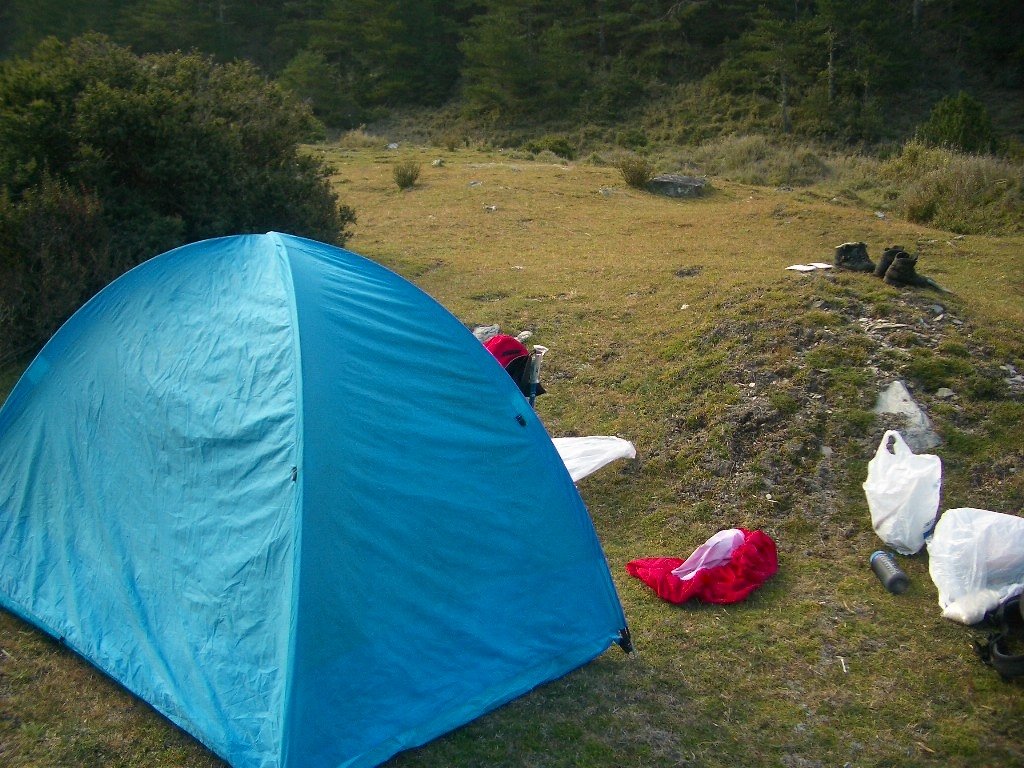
(897, 267)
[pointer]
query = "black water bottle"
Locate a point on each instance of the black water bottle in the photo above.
(889, 573)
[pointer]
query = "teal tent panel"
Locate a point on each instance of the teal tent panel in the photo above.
(146, 501)
(453, 564)
(289, 500)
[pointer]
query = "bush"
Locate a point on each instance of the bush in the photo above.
(53, 256)
(358, 138)
(558, 145)
(631, 138)
(969, 194)
(321, 84)
(451, 140)
(959, 122)
(756, 160)
(636, 170)
(405, 173)
(117, 157)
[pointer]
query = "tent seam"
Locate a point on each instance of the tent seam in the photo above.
(281, 252)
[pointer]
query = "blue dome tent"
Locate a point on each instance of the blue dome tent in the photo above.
(289, 500)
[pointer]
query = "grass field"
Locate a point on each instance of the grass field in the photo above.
(747, 390)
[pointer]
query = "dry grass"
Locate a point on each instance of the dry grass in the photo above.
(360, 138)
(660, 314)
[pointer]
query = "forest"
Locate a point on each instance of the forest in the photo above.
(128, 127)
(844, 72)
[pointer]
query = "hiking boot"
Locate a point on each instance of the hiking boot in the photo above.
(854, 256)
(903, 270)
(887, 257)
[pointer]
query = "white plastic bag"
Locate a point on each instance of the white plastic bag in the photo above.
(903, 493)
(976, 559)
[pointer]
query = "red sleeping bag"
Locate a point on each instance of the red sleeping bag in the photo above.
(744, 567)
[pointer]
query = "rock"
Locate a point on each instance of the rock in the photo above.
(674, 185)
(944, 393)
(918, 430)
(393, 145)
(854, 256)
(438, 163)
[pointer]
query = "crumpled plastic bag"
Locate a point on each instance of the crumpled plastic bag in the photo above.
(976, 559)
(902, 490)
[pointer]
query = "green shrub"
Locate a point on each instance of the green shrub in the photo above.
(141, 154)
(321, 84)
(558, 145)
(54, 254)
(959, 122)
(452, 140)
(636, 170)
(405, 173)
(631, 138)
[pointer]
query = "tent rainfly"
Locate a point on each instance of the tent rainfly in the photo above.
(289, 500)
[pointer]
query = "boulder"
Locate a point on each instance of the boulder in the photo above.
(674, 185)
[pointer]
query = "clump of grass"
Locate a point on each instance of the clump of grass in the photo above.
(757, 160)
(451, 140)
(934, 371)
(968, 194)
(405, 173)
(854, 173)
(637, 171)
(358, 138)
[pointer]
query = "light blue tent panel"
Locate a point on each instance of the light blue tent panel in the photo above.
(288, 499)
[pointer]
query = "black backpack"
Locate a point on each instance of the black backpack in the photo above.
(1004, 648)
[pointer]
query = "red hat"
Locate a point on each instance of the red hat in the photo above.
(506, 348)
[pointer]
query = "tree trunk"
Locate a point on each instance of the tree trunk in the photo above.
(784, 86)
